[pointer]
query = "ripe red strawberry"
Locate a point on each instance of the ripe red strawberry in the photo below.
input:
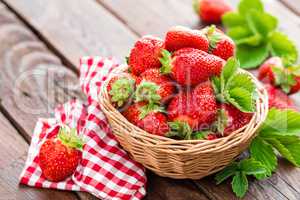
(219, 43)
(59, 157)
(273, 72)
(211, 11)
(266, 73)
(148, 117)
(278, 99)
(179, 37)
(230, 119)
(145, 54)
(198, 107)
(152, 86)
(189, 66)
(121, 89)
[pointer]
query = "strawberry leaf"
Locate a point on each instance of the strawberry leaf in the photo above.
(283, 47)
(227, 172)
(241, 99)
(240, 184)
(229, 69)
(252, 167)
(233, 19)
(287, 146)
(242, 80)
(283, 122)
(263, 152)
(180, 129)
(261, 23)
(251, 57)
(245, 6)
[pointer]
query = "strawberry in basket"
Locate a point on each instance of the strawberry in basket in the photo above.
(59, 157)
(197, 108)
(145, 54)
(212, 98)
(155, 87)
(273, 72)
(219, 43)
(149, 117)
(189, 66)
(179, 37)
(121, 89)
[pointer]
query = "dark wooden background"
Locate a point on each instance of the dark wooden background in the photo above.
(40, 46)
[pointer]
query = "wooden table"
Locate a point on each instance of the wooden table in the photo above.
(40, 46)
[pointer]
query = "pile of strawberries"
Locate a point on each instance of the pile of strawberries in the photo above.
(280, 81)
(168, 89)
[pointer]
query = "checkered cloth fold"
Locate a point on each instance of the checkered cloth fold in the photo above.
(105, 170)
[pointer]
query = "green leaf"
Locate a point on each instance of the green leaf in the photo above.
(180, 129)
(263, 152)
(283, 47)
(148, 108)
(227, 172)
(253, 40)
(252, 167)
(241, 98)
(147, 91)
(242, 80)
(251, 57)
(261, 23)
(165, 61)
(287, 146)
(239, 184)
(282, 122)
(216, 83)
(245, 6)
(230, 68)
(239, 33)
(232, 19)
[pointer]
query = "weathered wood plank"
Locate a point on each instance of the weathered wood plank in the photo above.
(76, 28)
(152, 17)
(12, 158)
(294, 5)
(181, 12)
(25, 98)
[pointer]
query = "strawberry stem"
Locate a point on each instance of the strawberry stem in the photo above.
(69, 137)
(165, 61)
(147, 91)
(121, 90)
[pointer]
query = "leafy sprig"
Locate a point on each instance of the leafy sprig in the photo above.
(278, 135)
(255, 34)
(235, 87)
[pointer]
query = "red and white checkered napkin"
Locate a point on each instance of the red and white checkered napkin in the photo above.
(105, 170)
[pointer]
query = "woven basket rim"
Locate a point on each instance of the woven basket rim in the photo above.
(190, 146)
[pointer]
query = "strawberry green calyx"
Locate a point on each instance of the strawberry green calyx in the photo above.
(285, 78)
(180, 129)
(150, 108)
(165, 61)
(213, 37)
(121, 90)
(235, 88)
(221, 122)
(69, 137)
(147, 91)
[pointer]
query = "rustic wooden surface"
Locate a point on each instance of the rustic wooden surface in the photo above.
(49, 38)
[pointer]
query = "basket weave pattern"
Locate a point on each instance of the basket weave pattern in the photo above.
(181, 159)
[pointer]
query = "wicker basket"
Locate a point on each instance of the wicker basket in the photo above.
(181, 159)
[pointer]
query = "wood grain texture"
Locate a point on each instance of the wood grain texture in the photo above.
(294, 5)
(34, 81)
(12, 158)
(76, 28)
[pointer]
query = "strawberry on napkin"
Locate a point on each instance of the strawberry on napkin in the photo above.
(105, 170)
